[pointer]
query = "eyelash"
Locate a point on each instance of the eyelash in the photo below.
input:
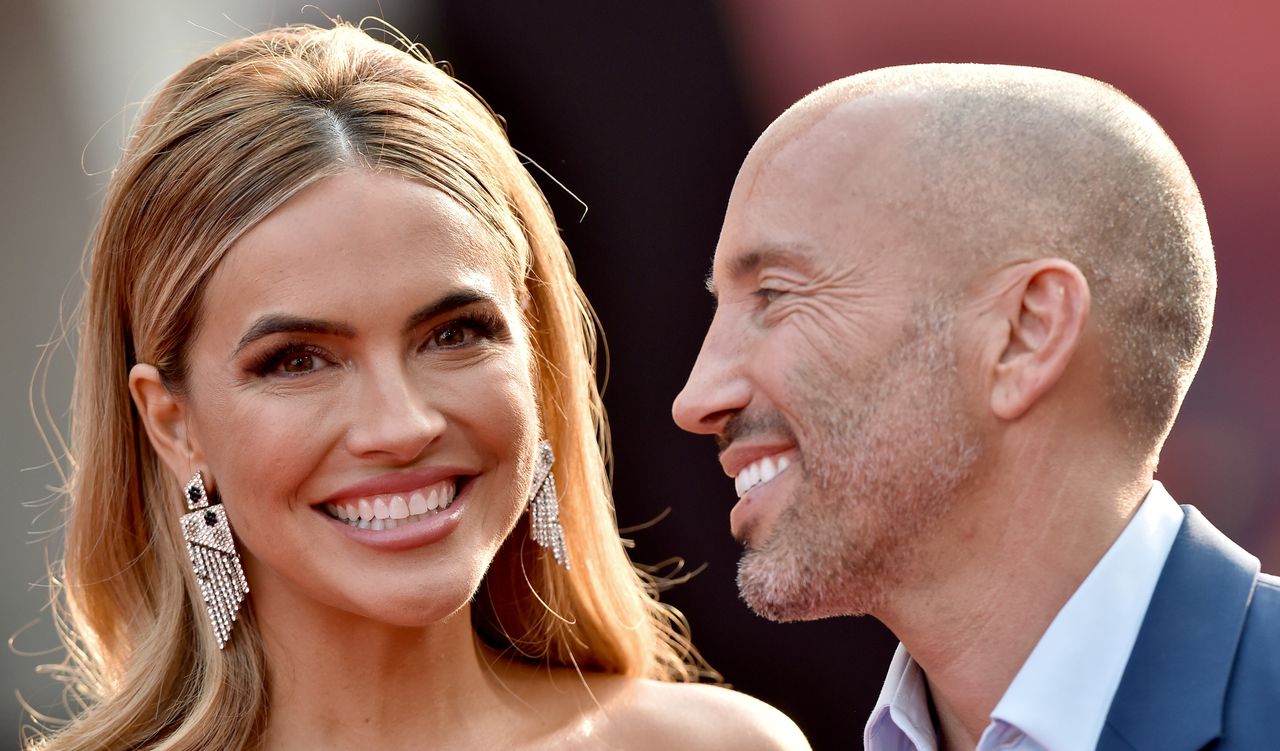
(483, 324)
(767, 295)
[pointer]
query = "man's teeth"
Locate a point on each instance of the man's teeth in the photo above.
(394, 509)
(759, 471)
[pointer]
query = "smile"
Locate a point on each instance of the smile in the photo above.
(759, 472)
(379, 512)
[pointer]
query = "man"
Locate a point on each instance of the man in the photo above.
(958, 309)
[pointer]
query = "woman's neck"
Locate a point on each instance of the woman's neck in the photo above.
(338, 680)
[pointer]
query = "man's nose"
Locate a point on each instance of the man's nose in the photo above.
(716, 389)
(395, 420)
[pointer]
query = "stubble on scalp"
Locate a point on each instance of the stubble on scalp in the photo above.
(882, 460)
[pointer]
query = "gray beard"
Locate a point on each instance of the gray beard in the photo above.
(884, 458)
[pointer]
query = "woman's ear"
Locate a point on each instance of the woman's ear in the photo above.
(165, 418)
(1045, 307)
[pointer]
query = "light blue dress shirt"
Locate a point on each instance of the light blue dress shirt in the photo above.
(1060, 697)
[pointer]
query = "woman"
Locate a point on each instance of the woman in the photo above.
(330, 345)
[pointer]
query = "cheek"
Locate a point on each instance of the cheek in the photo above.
(808, 375)
(496, 406)
(794, 359)
(263, 448)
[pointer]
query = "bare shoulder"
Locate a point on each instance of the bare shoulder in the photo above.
(655, 714)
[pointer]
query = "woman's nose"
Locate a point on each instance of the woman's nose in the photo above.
(394, 418)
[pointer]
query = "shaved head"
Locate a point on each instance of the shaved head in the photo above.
(996, 164)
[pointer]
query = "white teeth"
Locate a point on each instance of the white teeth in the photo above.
(759, 472)
(382, 512)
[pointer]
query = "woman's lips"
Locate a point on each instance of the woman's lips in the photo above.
(388, 511)
(399, 483)
(393, 532)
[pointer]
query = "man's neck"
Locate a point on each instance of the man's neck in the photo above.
(972, 611)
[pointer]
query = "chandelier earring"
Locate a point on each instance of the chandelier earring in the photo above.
(544, 506)
(214, 559)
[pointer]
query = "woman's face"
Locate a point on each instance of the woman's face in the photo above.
(360, 391)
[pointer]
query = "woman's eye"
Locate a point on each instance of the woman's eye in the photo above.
(464, 332)
(303, 363)
(452, 335)
(290, 361)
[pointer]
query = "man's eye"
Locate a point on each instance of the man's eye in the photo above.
(767, 295)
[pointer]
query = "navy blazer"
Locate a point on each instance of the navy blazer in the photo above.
(1206, 666)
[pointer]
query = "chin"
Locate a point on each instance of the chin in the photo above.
(417, 614)
(778, 587)
(797, 609)
(411, 599)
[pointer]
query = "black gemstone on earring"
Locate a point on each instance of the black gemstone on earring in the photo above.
(193, 493)
(210, 518)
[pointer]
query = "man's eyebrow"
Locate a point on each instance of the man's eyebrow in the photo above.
(752, 261)
(277, 323)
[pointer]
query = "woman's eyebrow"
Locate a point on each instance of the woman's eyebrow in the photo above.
(278, 323)
(451, 301)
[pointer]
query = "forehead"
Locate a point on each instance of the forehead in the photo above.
(356, 242)
(825, 189)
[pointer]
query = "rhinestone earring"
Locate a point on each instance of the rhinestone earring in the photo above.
(544, 506)
(213, 558)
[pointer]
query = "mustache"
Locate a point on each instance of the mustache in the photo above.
(743, 425)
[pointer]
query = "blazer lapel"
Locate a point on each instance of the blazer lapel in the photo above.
(1172, 692)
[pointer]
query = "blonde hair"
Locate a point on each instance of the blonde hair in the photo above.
(225, 142)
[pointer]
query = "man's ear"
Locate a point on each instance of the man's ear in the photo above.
(165, 417)
(1045, 306)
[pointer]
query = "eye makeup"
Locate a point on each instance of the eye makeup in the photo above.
(295, 357)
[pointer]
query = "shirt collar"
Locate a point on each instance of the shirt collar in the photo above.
(901, 719)
(1061, 695)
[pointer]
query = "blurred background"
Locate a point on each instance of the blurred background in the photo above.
(645, 110)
